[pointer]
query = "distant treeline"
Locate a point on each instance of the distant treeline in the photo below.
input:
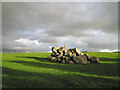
(16, 51)
(20, 51)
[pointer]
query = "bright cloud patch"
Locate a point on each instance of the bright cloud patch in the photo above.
(28, 42)
(108, 50)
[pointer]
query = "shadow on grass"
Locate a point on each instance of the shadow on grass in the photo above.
(98, 69)
(37, 58)
(21, 79)
(46, 59)
(108, 59)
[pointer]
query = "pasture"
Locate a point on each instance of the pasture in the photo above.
(33, 70)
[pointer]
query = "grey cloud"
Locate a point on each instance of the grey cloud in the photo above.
(56, 20)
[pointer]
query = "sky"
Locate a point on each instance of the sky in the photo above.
(88, 26)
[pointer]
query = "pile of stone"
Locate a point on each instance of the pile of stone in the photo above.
(72, 55)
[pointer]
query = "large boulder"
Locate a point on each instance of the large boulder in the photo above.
(67, 59)
(64, 52)
(74, 54)
(53, 54)
(80, 59)
(77, 51)
(63, 61)
(84, 59)
(50, 57)
(71, 62)
(57, 54)
(76, 59)
(53, 58)
(94, 59)
(69, 53)
(88, 57)
(58, 50)
(62, 48)
(54, 49)
(59, 60)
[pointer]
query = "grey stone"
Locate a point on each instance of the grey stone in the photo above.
(63, 61)
(77, 51)
(62, 48)
(54, 49)
(64, 52)
(57, 54)
(71, 62)
(84, 59)
(53, 58)
(76, 59)
(74, 54)
(94, 59)
(53, 54)
(67, 59)
(56, 60)
(88, 57)
(80, 59)
(50, 57)
(69, 53)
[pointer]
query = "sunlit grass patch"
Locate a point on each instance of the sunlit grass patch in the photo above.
(109, 62)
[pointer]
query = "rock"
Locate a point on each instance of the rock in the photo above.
(78, 54)
(53, 58)
(84, 59)
(88, 61)
(76, 59)
(94, 59)
(71, 56)
(57, 54)
(71, 62)
(80, 59)
(74, 54)
(77, 51)
(88, 57)
(53, 54)
(59, 59)
(50, 57)
(63, 57)
(69, 53)
(54, 49)
(63, 61)
(70, 50)
(62, 48)
(58, 51)
(56, 60)
(64, 52)
(67, 59)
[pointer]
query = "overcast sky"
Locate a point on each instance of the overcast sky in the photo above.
(87, 26)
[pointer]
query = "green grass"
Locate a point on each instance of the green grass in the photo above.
(33, 70)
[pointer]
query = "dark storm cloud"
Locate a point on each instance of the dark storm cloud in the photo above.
(84, 25)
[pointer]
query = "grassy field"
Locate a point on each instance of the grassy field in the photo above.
(33, 70)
